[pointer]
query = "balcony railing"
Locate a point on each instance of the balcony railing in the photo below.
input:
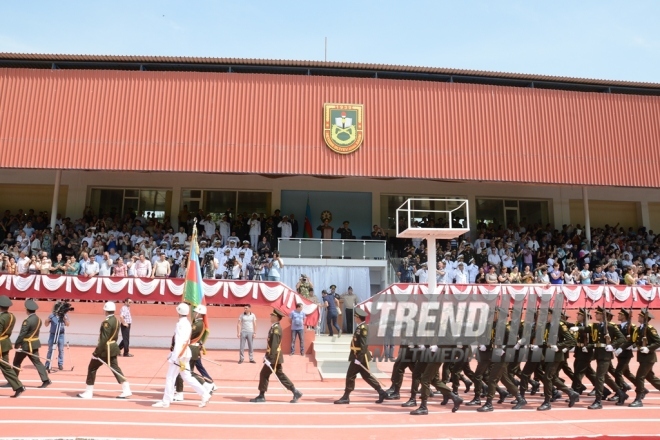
(339, 249)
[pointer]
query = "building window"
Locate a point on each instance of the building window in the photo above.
(505, 212)
(216, 203)
(113, 201)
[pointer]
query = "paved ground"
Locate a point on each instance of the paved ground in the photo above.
(55, 412)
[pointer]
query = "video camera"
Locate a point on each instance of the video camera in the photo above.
(62, 308)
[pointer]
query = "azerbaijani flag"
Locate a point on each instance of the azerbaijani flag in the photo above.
(307, 232)
(193, 293)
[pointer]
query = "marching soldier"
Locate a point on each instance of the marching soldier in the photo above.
(359, 361)
(27, 343)
(428, 376)
(564, 365)
(565, 342)
(7, 321)
(499, 371)
(196, 347)
(584, 351)
(647, 341)
(606, 338)
(273, 361)
(106, 352)
(624, 353)
(404, 360)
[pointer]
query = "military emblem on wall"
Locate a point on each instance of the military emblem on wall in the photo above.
(343, 127)
(326, 215)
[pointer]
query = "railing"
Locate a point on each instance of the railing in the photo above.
(340, 249)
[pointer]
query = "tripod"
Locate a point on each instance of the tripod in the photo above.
(56, 341)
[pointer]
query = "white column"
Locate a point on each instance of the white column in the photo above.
(587, 219)
(175, 207)
(431, 264)
(56, 199)
(643, 214)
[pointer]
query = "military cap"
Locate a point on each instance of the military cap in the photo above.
(277, 313)
(646, 313)
(361, 313)
(332, 286)
(564, 316)
(31, 305)
(583, 311)
(5, 301)
(246, 242)
(625, 312)
(599, 309)
(461, 256)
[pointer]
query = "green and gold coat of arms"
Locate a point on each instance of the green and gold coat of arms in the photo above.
(343, 127)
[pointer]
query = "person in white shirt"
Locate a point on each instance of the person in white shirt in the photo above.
(221, 270)
(105, 268)
(441, 273)
(494, 259)
(161, 269)
(472, 271)
(209, 226)
(224, 228)
(179, 362)
(255, 230)
(246, 248)
(142, 267)
(286, 227)
(90, 267)
(461, 276)
(181, 235)
(423, 274)
(22, 264)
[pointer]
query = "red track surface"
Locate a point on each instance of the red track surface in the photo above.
(55, 412)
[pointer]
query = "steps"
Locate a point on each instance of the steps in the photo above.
(331, 354)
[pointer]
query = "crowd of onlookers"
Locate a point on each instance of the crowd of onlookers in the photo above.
(534, 253)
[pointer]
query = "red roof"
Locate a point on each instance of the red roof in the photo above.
(272, 124)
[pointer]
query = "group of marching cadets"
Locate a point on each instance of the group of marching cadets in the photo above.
(27, 345)
(601, 341)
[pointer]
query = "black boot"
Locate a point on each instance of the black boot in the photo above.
(606, 392)
(410, 403)
(535, 387)
(259, 399)
(637, 403)
(645, 392)
(488, 406)
(344, 400)
(296, 395)
(484, 389)
(382, 395)
(520, 402)
(572, 398)
(596, 405)
(393, 394)
(18, 392)
(556, 395)
(474, 402)
(503, 394)
(445, 399)
(467, 382)
(626, 387)
(622, 398)
(457, 402)
(545, 406)
(421, 411)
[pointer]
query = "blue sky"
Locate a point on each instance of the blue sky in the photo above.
(592, 39)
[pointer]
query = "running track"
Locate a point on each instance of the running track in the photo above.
(55, 412)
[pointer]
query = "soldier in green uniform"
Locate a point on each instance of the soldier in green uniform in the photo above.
(565, 367)
(359, 361)
(565, 342)
(647, 341)
(273, 361)
(430, 374)
(27, 343)
(623, 354)
(499, 371)
(7, 321)
(107, 350)
(606, 338)
(584, 353)
(404, 360)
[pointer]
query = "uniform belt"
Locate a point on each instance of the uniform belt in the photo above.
(599, 345)
(195, 344)
(356, 349)
(498, 346)
(2, 338)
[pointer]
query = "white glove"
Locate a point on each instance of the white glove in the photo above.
(574, 329)
(585, 350)
(434, 348)
(608, 347)
(357, 362)
(520, 342)
(171, 357)
(459, 345)
(266, 361)
(411, 346)
(572, 350)
(482, 348)
(517, 346)
(618, 351)
(630, 348)
(644, 350)
(554, 348)
(533, 347)
(498, 352)
(564, 350)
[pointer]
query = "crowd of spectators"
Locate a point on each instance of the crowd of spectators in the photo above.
(143, 246)
(525, 254)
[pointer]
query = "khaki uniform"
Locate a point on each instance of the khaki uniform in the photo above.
(274, 356)
(359, 352)
(106, 349)
(646, 361)
(603, 357)
(28, 341)
(7, 322)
